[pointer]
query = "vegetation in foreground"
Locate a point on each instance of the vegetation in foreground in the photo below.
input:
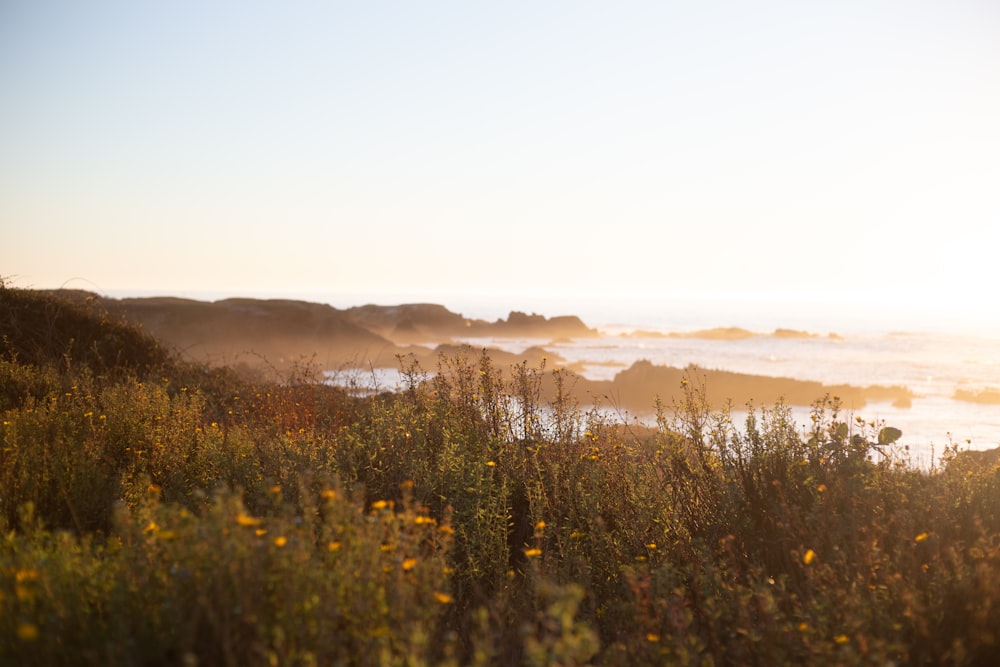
(155, 512)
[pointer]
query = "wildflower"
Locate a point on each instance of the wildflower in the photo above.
(443, 598)
(920, 538)
(276, 489)
(260, 532)
(333, 546)
(821, 488)
(491, 464)
(27, 632)
(245, 519)
(576, 535)
(409, 564)
(803, 626)
(809, 556)
(328, 494)
(652, 637)
(422, 520)
(447, 530)
(151, 527)
(380, 504)
(280, 541)
(26, 575)
(651, 546)
(841, 639)
(540, 525)
(532, 553)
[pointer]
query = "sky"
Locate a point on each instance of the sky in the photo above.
(844, 154)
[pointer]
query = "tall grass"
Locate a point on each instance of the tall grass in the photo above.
(162, 513)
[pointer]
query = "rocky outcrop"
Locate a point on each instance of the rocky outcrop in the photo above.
(410, 323)
(251, 331)
(278, 333)
(984, 395)
(637, 388)
(431, 323)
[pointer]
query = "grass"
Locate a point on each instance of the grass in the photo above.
(157, 512)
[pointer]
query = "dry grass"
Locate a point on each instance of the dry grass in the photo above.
(157, 513)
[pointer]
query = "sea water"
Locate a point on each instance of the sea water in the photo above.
(859, 341)
(860, 346)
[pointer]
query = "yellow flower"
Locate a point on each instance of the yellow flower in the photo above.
(491, 463)
(380, 504)
(447, 530)
(841, 639)
(652, 637)
(328, 494)
(532, 553)
(245, 519)
(821, 488)
(421, 520)
(809, 556)
(540, 525)
(409, 564)
(333, 546)
(280, 541)
(443, 598)
(803, 626)
(151, 527)
(920, 538)
(27, 632)
(260, 532)
(276, 489)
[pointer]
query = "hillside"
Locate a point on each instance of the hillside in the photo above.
(277, 334)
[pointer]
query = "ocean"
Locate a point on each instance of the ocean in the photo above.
(876, 340)
(857, 344)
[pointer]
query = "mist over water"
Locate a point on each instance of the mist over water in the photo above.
(861, 343)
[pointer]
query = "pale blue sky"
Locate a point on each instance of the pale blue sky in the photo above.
(429, 149)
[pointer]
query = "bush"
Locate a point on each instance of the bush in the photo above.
(475, 516)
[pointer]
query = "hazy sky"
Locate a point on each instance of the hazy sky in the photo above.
(433, 148)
